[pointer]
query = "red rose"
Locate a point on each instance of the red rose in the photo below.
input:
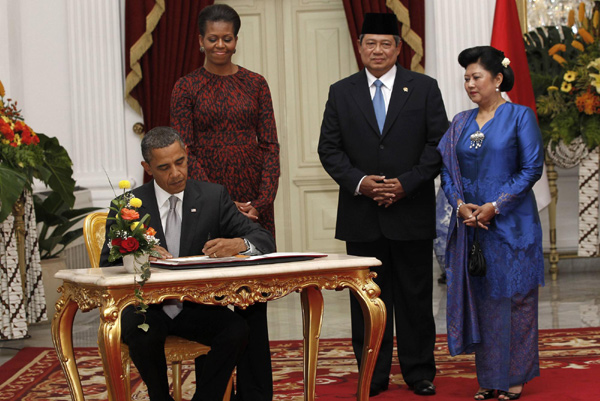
(129, 245)
(13, 144)
(116, 242)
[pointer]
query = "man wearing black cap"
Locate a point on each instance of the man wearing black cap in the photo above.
(378, 141)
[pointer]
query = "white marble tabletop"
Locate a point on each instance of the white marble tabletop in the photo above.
(116, 275)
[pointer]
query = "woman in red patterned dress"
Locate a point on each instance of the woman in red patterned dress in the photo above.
(224, 114)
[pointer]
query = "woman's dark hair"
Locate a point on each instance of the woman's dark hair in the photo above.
(218, 12)
(491, 59)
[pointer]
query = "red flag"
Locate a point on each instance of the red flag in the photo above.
(507, 36)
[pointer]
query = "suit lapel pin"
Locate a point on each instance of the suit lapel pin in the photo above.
(193, 210)
(405, 89)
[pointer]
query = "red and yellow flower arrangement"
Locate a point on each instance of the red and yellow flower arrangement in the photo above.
(128, 234)
(25, 155)
(565, 70)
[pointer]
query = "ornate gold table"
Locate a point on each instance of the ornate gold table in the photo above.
(111, 290)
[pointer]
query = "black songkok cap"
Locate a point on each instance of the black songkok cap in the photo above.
(380, 24)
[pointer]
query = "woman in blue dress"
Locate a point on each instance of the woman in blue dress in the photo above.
(493, 155)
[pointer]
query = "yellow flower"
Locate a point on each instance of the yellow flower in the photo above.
(566, 87)
(556, 48)
(134, 225)
(135, 202)
(5, 141)
(595, 81)
(570, 76)
(585, 35)
(559, 59)
(596, 19)
(2, 91)
(571, 18)
(578, 45)
(595, 64)
(124, 184)
(581, 12)
(552, 88)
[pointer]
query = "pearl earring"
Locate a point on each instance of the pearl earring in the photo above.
(497, 89)
(201, 49)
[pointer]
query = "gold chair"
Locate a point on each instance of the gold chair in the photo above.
(177, 349)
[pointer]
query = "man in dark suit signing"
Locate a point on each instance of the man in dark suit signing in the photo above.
(203, 211)
(378, 141)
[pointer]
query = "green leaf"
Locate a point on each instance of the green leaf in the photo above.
(12, 184)
(144, 326)
(58, 163)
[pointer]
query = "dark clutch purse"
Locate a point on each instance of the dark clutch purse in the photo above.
(477, 265)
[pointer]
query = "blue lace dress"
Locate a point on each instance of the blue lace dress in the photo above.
(496, 315)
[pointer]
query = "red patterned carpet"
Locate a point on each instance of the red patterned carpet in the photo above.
(570, 362)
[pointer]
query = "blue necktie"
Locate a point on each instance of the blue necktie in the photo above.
(379, 105)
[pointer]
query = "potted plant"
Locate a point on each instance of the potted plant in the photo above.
(56, 230)
(56, 221)
(25, 155)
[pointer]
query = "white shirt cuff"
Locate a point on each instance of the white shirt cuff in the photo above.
(356, 191)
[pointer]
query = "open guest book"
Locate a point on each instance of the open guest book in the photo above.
(203, 261)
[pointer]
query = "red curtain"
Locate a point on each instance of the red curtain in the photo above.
(356, 9)
(172, 52)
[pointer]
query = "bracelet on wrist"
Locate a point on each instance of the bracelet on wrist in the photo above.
(496, 207)
(458, 206)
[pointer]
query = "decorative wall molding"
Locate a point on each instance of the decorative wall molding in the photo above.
(95, 64)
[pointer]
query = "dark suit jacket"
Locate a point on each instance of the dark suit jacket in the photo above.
(215, 214)
(351, 147)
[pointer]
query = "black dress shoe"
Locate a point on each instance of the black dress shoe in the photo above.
(423, 387)
(375, 390)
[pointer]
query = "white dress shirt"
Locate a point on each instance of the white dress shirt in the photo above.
(162, 200)
(386, 89)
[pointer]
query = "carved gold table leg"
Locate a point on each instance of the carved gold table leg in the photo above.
(62, 337)
(374, 314)
(109, 343)
(312, 319)
(553, 258)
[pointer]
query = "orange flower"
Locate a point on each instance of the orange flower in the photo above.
(559, 59)
(2, 92)
(585, 35)
(576, 44)
(128, 214)
(556, 48)
(151, 231)
(588, 103)
(581, 12)
(571, 18)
